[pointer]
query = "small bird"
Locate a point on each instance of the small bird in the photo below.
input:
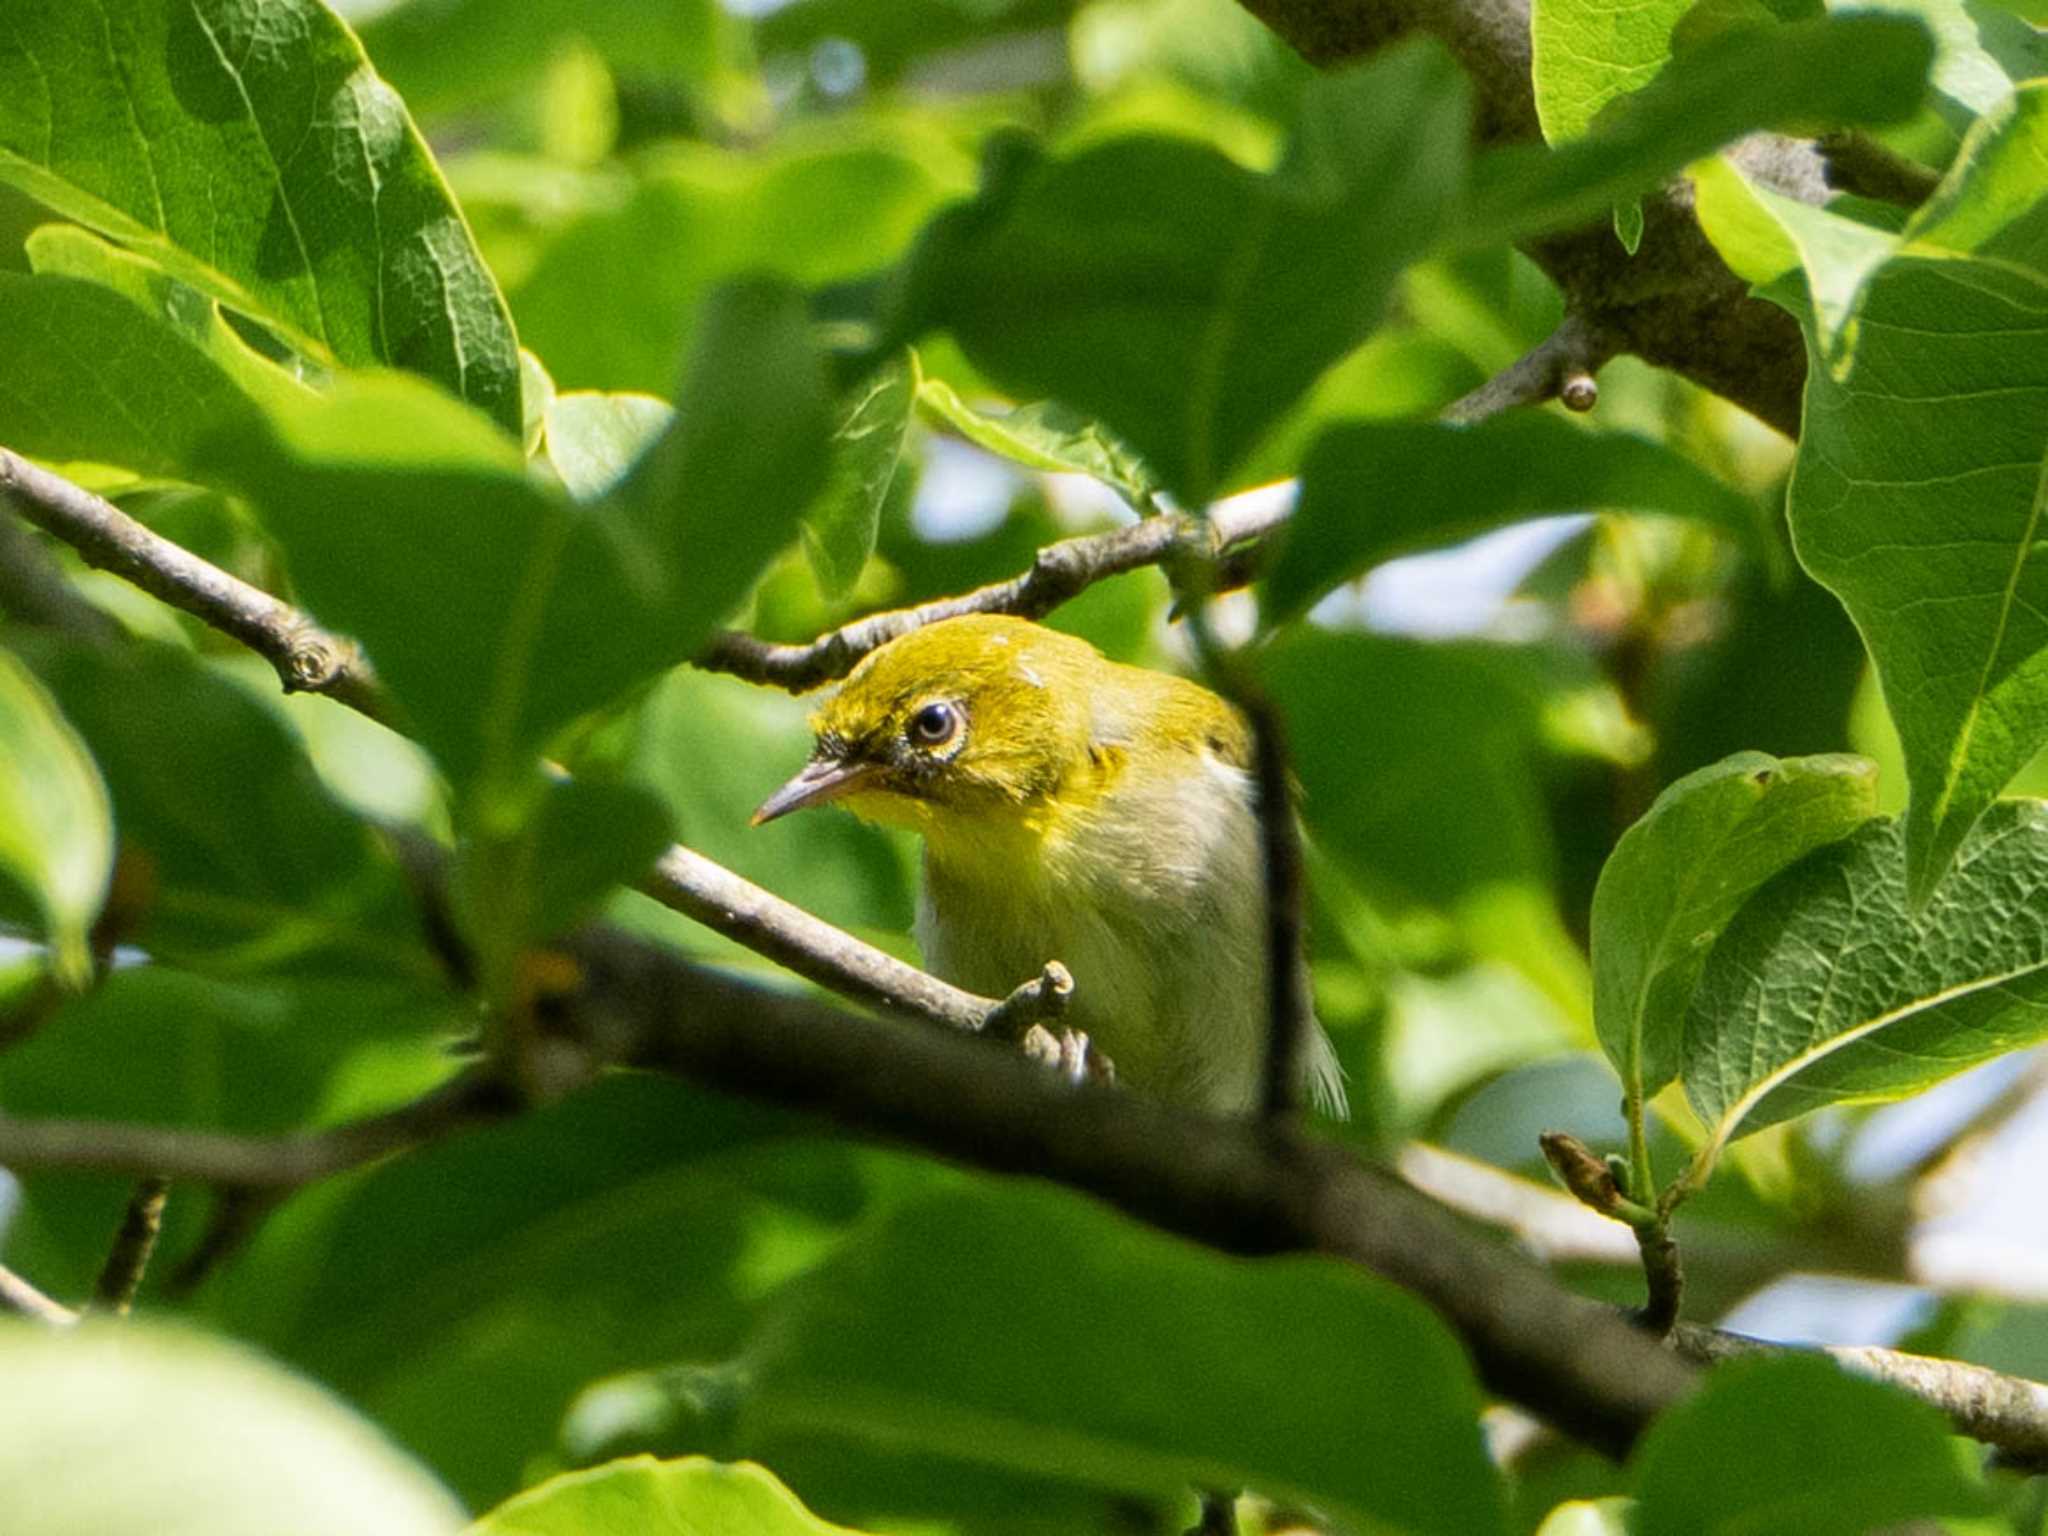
(1078, 810)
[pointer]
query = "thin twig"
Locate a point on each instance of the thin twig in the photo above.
(24, 1300)
(1860, 164)
(2008, 1412)
(251, 1162)
(1560, 367)
(307, 658)
(121, 1276)
(236, 1215)
(1287, 1006)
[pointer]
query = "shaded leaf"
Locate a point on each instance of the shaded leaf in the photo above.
(1849, 69)
(644, 1497)
(1182, 300)
(1827, 986)
(1374, 490)
(248, 147)
(1045, 435)
(589, 838)
(56, 827)
(1795, 1444)
(215, 1441)
(1680, 873)
(514, 610)
(1025, 1327)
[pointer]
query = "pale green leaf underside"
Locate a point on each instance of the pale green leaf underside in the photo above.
(593, 438)
(639, 1496)
(249, 148)
(1827, 987)
(214, 1441)
(56, 826)
(1587, 52)
(1680, 873)
(1045, 435)
(867, 447)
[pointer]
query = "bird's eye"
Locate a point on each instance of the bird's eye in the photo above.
(936, 724)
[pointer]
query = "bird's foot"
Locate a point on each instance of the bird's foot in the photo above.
(1069, 1053)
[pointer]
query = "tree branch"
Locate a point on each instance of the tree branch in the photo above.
(1673, 303)
(24, 1300)
(1560, 367)
(121, 1276)
(2008, 1412)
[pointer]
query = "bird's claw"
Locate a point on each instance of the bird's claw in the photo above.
(1069, 1053)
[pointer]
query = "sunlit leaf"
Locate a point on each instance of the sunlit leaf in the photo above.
(56, 827)
(644, 1497)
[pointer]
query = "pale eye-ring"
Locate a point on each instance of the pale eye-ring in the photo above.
(936, 723)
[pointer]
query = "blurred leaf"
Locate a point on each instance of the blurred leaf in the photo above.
(893, 38)
(447, 54)
(699, 217)
(645, 1497)
(593, 439)
(867, 446)
(1184, 301)
(246, 860)
(1045, 435)
(636, 1221)
(1979, 53)
(1845, 70)
(1796, 1444)
(248, 147)
(1828, 987)
(1026, 1327)
(1374, 490)
(265, 1055)
(1680, 873)
(589, 838)
(536, 397)
(1584, 54)
(513, 610)
(213, 1441)
(1919, 477)
(1588, 1517)
(90, 377)
(56, 827)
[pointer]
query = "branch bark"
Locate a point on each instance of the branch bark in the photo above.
(1673, 303)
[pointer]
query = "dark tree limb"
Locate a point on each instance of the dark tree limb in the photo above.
(120, 1278)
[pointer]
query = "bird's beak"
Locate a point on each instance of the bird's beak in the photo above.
(822, 779)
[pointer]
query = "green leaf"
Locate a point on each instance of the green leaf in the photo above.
(1827, 986)
(589, 838)
(1979, 52)
(459, 53)
(1917, 499)
(90, 377)
(640, 1496)
(514, 610)
(236, 878)
(248, 147)
(1584, 54)
(1991, 201)
(1026, 1327)
(66, 250)
(1850, 69)
(1180, 299)
(1374, 490)
(593, 439)
(215, 1441)
(1045, 435)
(1796, 1444)
(56, 827)
(1680, 873)
(636, 1221)
(700, 217)
(265, 1055)
(867, 446)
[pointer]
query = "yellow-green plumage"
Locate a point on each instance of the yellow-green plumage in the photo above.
(1078, 810)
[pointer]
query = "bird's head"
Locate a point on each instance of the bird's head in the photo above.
(970, 722)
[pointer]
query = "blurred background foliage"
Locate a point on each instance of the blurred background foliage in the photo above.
(1481, 722)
